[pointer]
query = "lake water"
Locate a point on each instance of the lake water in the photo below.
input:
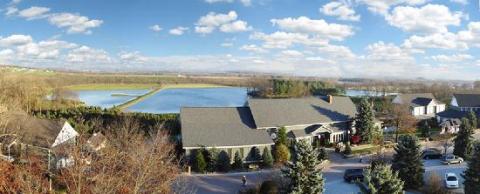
(107, 98)
(171, 100)
(359, 93)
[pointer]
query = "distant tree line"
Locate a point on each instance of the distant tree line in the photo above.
(294, 88)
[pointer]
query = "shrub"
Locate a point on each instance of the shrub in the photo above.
(238, 161)
(348, 149)
(267, 158)
(322, 154)
(223, 162)
(282, 153)
(269, 187)
(198, 163)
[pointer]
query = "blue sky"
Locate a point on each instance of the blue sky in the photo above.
(350, 38)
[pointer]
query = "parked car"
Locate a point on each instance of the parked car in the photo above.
(353, 174)
(452, 159)
(431, 154)
(451, 180)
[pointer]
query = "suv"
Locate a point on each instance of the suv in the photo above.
(353, 174)
(452, 159)
(431, 154)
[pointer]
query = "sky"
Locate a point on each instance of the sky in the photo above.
(351, 38)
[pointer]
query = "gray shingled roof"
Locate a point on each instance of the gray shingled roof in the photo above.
(417, 99)
(34, 131)
(298, 111)
(216, 127)
(468, 100)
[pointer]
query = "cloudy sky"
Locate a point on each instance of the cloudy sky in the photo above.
(351, 38)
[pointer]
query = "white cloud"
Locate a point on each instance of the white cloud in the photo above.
(471, 36)
(236, 26)
(132, 57)
(85, 54)
(280, 40)
(463, 2)
(383, 6)
(381, 52)
(340, 9)
(178, 30)
(225, 22)
(74, 23)
(292, 53)
(226, 44)
(319, 28)
(253, 48)
(15, 40)
(456, 58)
(439, 41)
(155, 28)
(11, 11)
(428, 19)
(34, 13)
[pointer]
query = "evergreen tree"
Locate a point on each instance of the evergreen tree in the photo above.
(472, 117)
(282, 136)
(304, 176)
(237, 161)
(382, 180)
(364, 123)
(408, 163)
(322, 154)
(282, 153)
(348, 149)
(463, 141)
(472, 174)
(198, 163)
(211, 156)
(223, 162)
(255, 154)
(267, 158)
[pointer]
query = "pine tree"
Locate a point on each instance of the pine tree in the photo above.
(223, 162)
(199, 164)
(472, 174)
(364, 122)
(304, 176)
(322, 154)
(472, 117)
(211, 156)
(237, 161)
(282, 136)
(408, 163)
(255, 154)
(382, 180)
(282, 153)
(463, 141)
(267, 158)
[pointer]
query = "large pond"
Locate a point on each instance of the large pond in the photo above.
(359, 93)
(171, 100)
(108, 98)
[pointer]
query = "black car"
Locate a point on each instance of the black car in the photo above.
(431, 154)
(353, 174)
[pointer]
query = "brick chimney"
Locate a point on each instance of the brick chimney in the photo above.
(330, 99)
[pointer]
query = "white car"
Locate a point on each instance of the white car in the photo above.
(451, 181)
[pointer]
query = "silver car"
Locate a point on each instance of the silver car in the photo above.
(451, 181)
(452, 159)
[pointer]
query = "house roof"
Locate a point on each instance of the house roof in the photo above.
(299, 111)
(216, 127)
(467, 100)
(34, 131)
(417, 99)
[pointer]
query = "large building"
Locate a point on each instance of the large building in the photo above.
(233, 129)
(422, 105)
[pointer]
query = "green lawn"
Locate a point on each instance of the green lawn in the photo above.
(364, 149)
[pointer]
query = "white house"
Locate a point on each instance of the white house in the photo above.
(421, 104)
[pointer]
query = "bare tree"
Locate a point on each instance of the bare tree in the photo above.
(132, 162)
(403, 119)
